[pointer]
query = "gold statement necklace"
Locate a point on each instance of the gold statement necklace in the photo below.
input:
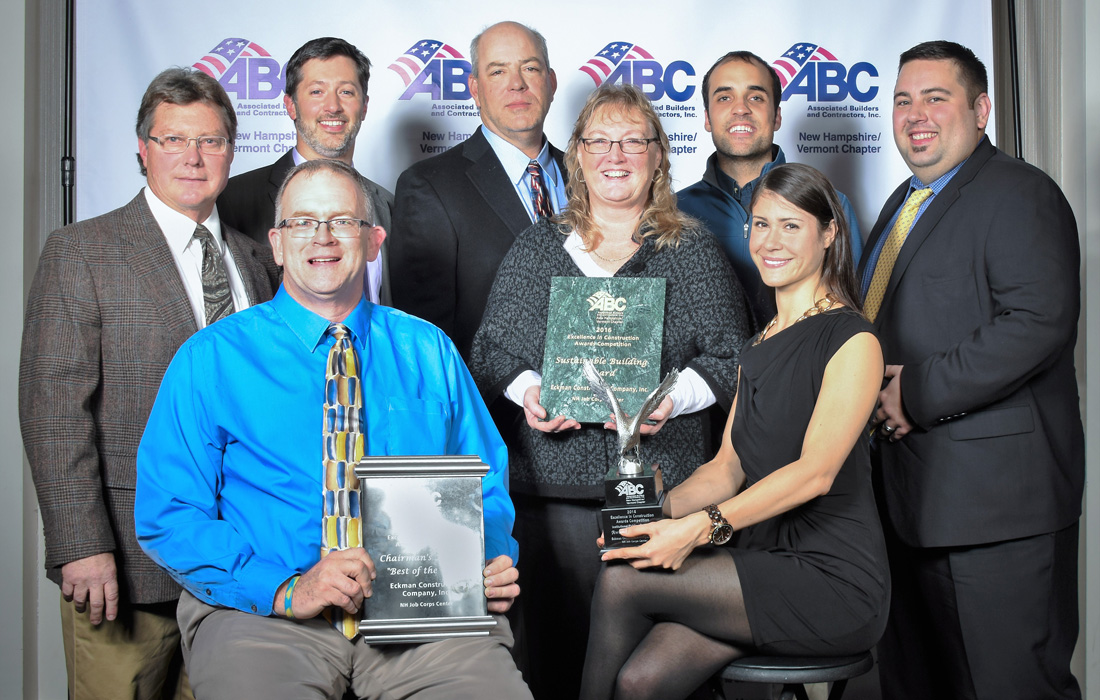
(820, 306)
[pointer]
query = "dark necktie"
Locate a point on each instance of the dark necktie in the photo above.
(341, 526)
(217, 301)
(540, 200)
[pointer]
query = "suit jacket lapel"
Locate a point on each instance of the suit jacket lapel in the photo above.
(250, 268)
(888, 209)
(279, 169)
(488, 176)
(939, 206)
(152, 263)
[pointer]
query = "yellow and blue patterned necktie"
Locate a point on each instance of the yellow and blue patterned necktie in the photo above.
(343, 448)
(890, 249)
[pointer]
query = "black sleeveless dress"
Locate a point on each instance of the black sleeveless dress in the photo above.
(815, 579)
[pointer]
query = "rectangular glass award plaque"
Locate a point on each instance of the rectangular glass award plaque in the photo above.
(618, 324)
(424, 528)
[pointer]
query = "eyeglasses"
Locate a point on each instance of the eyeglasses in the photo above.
(304, 227)
(632, 146)
(208, 145)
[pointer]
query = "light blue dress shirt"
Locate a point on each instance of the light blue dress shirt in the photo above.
(229, 468)
(914, 184)
(515, 164)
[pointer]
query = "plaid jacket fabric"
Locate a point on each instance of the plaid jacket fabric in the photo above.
(106, 312)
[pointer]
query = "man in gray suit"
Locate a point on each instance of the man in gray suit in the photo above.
(326, 96)
(113, 299)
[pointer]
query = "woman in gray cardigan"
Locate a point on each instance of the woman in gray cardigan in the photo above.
(621, 221)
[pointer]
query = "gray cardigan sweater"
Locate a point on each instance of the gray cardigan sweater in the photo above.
(706, 323)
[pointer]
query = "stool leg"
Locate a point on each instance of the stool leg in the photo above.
(838, 689)
(794, 691)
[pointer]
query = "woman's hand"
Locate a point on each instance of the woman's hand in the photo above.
(536, 414)
(659, 416)
(670, 542)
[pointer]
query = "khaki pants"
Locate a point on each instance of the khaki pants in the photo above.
(134, 657)
(232, 655)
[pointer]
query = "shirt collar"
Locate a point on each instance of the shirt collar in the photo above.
(939, 183)
(310, 328)
(514, 160)
(177, 228)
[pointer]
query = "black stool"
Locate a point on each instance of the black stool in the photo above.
(795, 671)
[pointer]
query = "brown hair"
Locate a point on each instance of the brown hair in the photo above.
(810, 191)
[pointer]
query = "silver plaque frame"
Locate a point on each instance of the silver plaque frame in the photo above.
(424, 527)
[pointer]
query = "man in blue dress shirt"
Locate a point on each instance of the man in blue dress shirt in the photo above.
(230, 478)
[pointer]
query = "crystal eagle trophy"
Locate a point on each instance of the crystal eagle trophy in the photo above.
(633, 492)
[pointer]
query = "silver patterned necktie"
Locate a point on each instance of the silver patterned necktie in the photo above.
(217, 301)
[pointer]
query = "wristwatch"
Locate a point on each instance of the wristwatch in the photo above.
(722, 531)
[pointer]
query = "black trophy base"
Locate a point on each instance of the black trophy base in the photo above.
(614, 518)
(637, 490)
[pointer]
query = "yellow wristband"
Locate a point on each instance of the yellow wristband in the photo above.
(289, 595)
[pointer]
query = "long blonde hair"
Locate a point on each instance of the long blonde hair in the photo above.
(661, 219)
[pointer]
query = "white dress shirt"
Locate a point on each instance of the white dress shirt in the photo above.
(179, 232)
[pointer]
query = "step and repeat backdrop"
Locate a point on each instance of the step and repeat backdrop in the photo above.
(837, 62)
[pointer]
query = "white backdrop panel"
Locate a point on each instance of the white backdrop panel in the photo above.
(837, 119)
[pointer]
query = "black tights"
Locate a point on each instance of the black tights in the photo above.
(661, 634)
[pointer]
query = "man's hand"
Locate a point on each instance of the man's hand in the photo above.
(342, 578)
(536, 414)
(92, 583)
(500, 584)
(890, 415)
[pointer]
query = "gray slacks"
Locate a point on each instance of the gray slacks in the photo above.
(235, 655)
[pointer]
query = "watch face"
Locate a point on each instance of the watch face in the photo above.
(721, 534)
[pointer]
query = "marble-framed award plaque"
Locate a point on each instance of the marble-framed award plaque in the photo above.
(424, 527)
(618, 324)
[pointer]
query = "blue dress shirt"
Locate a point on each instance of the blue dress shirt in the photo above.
(229, 468)
(515, 164)
(914, 184)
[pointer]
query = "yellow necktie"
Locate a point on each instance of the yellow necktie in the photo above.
(341, 526)
(890, 249)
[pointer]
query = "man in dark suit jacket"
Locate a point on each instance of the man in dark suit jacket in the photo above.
(113, 299)
(458, 213)
(979, 437)
(326, 96)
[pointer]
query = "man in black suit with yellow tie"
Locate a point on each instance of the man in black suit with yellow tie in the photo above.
(456, 215)
(326, 96)
(971, 277)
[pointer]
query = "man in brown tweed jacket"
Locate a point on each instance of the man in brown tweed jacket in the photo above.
(113, 299)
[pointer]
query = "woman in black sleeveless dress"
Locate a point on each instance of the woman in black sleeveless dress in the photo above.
(809, 574)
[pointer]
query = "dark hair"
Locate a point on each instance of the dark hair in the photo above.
(325, 48)
(183, 86)
(972, 72)
(661, 218)
(539, 39)
(810, 191)
(747, 57)
(312, 167)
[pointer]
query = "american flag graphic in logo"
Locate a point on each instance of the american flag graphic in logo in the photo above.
(409, 64)
(600, 66)
(222, 56)
(792, 61)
